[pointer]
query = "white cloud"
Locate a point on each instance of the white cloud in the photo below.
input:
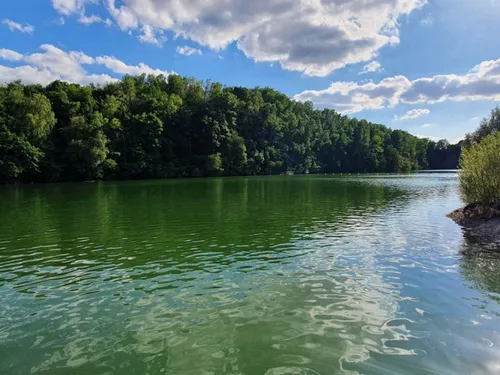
(151, 35)
(426, 126)
(413, 114)
(481, 83)
(124, 17)
(372, 67)
(188, 51)
(70, 7)
(475, 118)
(315, 37)
(89, 20)
(9, 55)
(351, 97)
(14, 26)
(119, 67)
(53, 63)
(67, 7)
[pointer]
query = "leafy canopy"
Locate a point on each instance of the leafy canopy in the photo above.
(159, 127)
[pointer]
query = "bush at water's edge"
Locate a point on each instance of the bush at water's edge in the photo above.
(480, 188)
(480, 176)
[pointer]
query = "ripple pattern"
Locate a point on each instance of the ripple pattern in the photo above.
(274, 276)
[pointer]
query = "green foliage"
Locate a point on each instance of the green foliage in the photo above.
(86, 146)
(18, 157)
(489, 125)
(214, 163)
(157, 127)
(25, 113)
(480, 162)
(480, 176)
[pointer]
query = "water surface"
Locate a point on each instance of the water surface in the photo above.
(272, 276)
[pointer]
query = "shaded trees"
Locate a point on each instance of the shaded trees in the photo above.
(442, 155)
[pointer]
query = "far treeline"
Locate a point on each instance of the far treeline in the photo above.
(155, 127)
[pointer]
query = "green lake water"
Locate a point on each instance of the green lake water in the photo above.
(295, 275)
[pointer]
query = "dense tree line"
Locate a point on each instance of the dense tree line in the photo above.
(157, 127)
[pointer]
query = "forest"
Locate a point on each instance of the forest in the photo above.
(149, 127)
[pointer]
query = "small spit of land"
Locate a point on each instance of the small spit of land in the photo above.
(481, 223)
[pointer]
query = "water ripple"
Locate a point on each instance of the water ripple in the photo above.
(266, 276)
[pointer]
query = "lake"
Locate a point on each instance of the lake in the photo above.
(298, 275)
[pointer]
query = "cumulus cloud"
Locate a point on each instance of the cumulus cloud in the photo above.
(481, 83)
(315, 37)
(188, 51)
(70, 7)
(413, 114)
(14, 26)
(351, 97)
(151, 35)
(372, 67)
(52, 63)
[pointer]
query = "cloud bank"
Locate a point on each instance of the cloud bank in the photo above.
(52, 63)
(481, 83)
(314, 37)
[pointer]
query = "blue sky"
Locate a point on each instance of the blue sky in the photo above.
(431, 67)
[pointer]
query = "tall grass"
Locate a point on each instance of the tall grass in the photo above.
(480, 176)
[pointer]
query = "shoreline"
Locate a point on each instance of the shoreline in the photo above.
(480, 223)
(337, 174)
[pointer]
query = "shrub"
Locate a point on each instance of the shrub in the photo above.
(480, 175)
